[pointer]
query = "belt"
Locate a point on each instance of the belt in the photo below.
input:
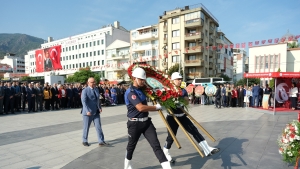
(177, 115)
(138, 119)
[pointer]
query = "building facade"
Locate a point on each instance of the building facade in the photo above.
(17, 63)
(240, 64)
(184, 35)
(271, 58)
(144, 45)
(117, 59)
(83, 50)
(224, 55)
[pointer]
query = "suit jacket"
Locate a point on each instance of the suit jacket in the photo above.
(39, 91)
(54, 91)
(48, 66)
(218, 93)
(241, 93)
(255, 90)
(9, 92)
(69, 92)
(30, 91)
(2, 91)
(90, 101)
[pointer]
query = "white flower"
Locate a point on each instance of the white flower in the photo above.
(297, 137)
(290, 153)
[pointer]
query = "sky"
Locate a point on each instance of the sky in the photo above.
(240, 20)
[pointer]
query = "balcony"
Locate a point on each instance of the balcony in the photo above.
(210, 65)
(193, 23)
(197, 62)
(165, 40)
(165, 28)
(219, 71)
(211, 30)
(210, 53)
(193, 36)
(194, 49)
(117, 57)
(220, 41)
(193, 75)
(220, 61)
(144, 47)
(145, 36)
(211, 41)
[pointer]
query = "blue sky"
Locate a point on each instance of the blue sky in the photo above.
(240, 20)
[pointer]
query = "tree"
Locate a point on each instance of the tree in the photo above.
(225, 77)
(272, 81)
(82, 76)
(251, 81)
(173, 69)
(293, 45)
(26, 78)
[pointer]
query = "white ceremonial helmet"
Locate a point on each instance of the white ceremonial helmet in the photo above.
(176, 75)
(139, 73)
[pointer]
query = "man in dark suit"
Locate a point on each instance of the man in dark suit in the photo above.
(54, 99)
(76, 96)
(268, 90)
(24, 95)
(91, 110)
(47, 62)
(2, 94)
(9, 98)
(39, 97)
(70, 96)
(255, 92)
(241, 96)
(260, 96)
(31, 93)
(218, 97)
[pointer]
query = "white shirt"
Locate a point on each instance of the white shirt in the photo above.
(293, 92)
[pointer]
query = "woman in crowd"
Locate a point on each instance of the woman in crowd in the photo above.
(62, 93)
(233, 97)
(293, 92)
(47, 97)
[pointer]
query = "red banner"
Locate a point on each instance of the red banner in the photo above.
(273, 75)
(48, 59)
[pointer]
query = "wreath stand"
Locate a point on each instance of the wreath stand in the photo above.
(298, 158)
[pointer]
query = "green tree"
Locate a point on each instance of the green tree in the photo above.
(82, 76)
(225, 77)
(173, 69)
(26, 78)
(272, 81)
(251, 81)
(293, 45)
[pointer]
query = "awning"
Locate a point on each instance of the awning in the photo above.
(273, 75)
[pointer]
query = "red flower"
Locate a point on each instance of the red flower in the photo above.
(158, 93)
(150, 92)
(163, 98)
(168, 95)
(180, 93)
(175, 94)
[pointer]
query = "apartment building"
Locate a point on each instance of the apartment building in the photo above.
(144, 45)
(17, 63)
(269, 58)
(184, 35)
(224, 55)
(82, 50)
(240, 64)
(117, 59)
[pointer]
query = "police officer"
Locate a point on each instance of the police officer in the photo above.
(138, 120)
(186, 123)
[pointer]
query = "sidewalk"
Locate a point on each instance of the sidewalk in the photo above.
(247, 138)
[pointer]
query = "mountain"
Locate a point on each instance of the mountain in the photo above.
(18, 44)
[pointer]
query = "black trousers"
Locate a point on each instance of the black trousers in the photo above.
(54, 101)
(31, 104)
(17, 102)
(47, 104)
(135, 129)
(187, 124)
(241, 101)
(233, 102)
(9, 104)
(24, 99)
(229, 104)
(218, 102)
(294, 102)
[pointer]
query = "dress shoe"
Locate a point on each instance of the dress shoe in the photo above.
(103, 144)
(85, 144)
(214, 151)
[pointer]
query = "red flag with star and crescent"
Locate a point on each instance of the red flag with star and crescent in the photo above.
(54, 53)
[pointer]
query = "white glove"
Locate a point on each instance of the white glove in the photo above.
(158, 106)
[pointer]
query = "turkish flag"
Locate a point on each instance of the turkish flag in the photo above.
(291, 38)
(276, 40)
(220, 46)
(263, 41)
(226, 46)
(243, 45)
(298, 36)
(231, 46)
(283, 39)
(39, 60)
(54, 53)
(250, 44)
(270, 41)
(256, 42)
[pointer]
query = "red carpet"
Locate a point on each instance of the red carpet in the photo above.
(279, 109)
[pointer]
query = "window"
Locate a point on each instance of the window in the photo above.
(276, 61)
(102, 42)
(87, 54)
(90, 44)
(271, 61)
(79, 46)
(66, 49)
(193, 15)
(94, 53)
(67, 66)
(70, 57)
(175, 20)
(73, 57)
(83, 45)
(94, 43)
(191, 44)
(102, 52)
(79, 55)
(76, 47)
(83, 65)
(256, 62)
(148, 52)
(66, 57)
(98, 52)
(73, 66)
(266, 62)
(91, 63)
(69, 48)
(175, 33)
(175, 58)
(206, 33)
(98, 62)
(82, 55)
(98, 42)
(87, 63)
(108, 32)
(72, 47)
(192, 70)
(192, 57)
(261, 62)
(86, 45)
(102, 62)
(175, 45)
(94, 63)
(76, 56)
(76, 65)
(91, 54)
(63, 49)
(79, 64)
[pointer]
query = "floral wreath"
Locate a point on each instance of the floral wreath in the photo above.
(169, 96)
(289, 142)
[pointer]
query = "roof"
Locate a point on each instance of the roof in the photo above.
(118, 44)
(288, 75)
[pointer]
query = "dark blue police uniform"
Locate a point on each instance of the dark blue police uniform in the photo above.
(185, 121)
(138, 123)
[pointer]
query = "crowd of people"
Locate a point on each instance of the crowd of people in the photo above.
(229, 95)
(33, 97)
